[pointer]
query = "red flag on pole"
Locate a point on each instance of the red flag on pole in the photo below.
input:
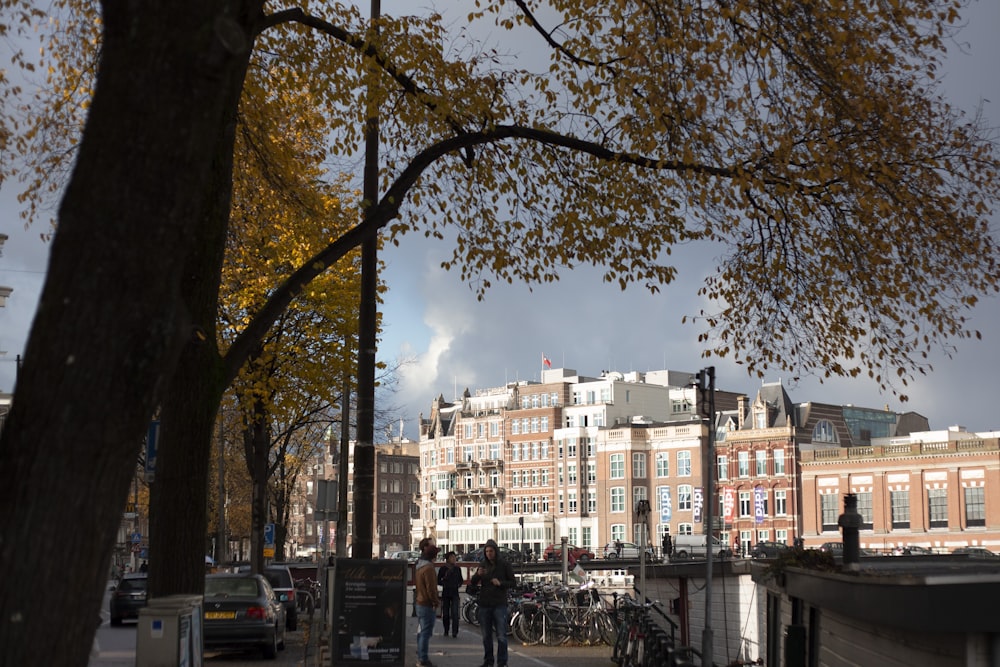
(546, 362)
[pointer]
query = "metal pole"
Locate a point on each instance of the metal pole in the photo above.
(708, 471)
(642, 512)
(220, 543)
(364, 448)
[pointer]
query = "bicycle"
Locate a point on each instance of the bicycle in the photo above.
(557, 619)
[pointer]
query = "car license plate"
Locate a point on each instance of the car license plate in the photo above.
(216, 615)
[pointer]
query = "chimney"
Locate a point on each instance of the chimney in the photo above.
(741, 410)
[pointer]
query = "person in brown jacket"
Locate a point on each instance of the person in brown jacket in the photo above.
(427, 600)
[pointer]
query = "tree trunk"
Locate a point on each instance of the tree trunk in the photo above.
(110, 323)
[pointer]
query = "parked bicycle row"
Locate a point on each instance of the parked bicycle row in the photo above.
(553, 615)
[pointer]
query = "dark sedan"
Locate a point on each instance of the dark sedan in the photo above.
(768, 549)
(242, 611)
(506, 553)
(128, 597)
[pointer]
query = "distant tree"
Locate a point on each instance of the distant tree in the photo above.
(807, 140)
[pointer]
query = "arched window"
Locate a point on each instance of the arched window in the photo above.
(824, 432)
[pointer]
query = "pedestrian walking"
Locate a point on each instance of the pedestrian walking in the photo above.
(618, 548)
(668, 546)
(451, 579)
(495, 577)
(427, 600)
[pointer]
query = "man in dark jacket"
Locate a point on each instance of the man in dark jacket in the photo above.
(494, 576)
(451, 579)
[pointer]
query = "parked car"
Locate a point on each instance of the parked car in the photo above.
(974, 552)
(768, 549)
(307, 584)
(836, 549)
(554, 552)
(629, 550)
(694, 546)
(128, 597)
(242, 610)
(408, 556)
(508, 554)
(283, 583)
(912, 550)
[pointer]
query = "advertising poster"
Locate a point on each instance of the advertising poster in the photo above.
(699, 504)
(728, 504)
(369, 620)
(666, 509)
(759, 499)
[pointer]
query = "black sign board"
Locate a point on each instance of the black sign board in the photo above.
(369, 603)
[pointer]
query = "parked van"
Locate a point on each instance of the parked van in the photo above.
(693, 546)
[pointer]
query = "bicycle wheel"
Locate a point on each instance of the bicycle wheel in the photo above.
(606, 627)
(470, 611)
(620, 644)
(550, 627)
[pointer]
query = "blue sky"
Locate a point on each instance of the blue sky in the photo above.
(452, 341)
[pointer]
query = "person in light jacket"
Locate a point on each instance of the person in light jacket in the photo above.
(427, 600)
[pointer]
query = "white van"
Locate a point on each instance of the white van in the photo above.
(693, 546)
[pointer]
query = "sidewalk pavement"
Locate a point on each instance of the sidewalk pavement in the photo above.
(466, 650)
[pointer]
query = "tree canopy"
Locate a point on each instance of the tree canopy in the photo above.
(807, 140)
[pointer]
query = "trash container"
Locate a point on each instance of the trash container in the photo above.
(170, 632)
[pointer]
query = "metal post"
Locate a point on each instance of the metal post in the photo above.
(564, 541)
(220, 542)
(708, 474)
(642, 513)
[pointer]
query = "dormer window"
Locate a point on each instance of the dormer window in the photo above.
(824, 431)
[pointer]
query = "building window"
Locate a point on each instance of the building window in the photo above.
(618, 532)
(591, 501)
(685, 529)
(639, 493)
(591, 471)
(571, 473)
(515, 426)
(779, 461)
(662, 464)
(975, 506)
(824, 432)
(722, 463)
(617, 466)
(743, 463)
(761, 462)
(828, 509)
(865, 509)
(780, 505)
(638, 464)
(937, 507)
(618, 499)
(746, 506)
(684, 497)
(684, 464)
(899, 501)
